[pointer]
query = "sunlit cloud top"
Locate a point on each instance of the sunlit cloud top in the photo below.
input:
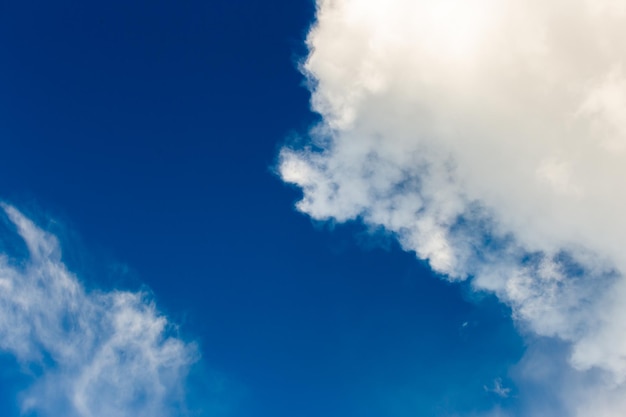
(490, 138)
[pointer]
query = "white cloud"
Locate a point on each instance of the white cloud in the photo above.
(499, 389)
(489, 137)
(96, 354)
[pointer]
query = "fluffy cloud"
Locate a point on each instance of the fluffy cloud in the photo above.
(96, 354)
(490, 138)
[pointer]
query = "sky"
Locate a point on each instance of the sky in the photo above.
(331, 208)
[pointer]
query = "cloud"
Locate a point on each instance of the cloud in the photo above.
(93, 354)
(490, 138)
(498, 389)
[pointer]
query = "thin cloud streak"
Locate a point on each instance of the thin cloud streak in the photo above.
(490, 138)
(94, 354)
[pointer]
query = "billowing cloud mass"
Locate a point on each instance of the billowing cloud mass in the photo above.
(489, 136)
(93, 354)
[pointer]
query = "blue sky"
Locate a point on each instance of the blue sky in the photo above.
(162, 147)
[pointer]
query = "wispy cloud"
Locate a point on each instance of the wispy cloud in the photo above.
(490, 138)
(93, 354)
(498, 389)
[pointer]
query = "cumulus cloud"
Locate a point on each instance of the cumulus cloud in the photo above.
(93, 354)
(489, 136)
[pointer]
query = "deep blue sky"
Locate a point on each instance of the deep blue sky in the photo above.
(148, 129)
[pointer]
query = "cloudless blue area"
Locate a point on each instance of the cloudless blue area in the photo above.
(148, 129)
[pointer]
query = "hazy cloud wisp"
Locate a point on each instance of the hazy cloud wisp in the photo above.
(95, 354)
